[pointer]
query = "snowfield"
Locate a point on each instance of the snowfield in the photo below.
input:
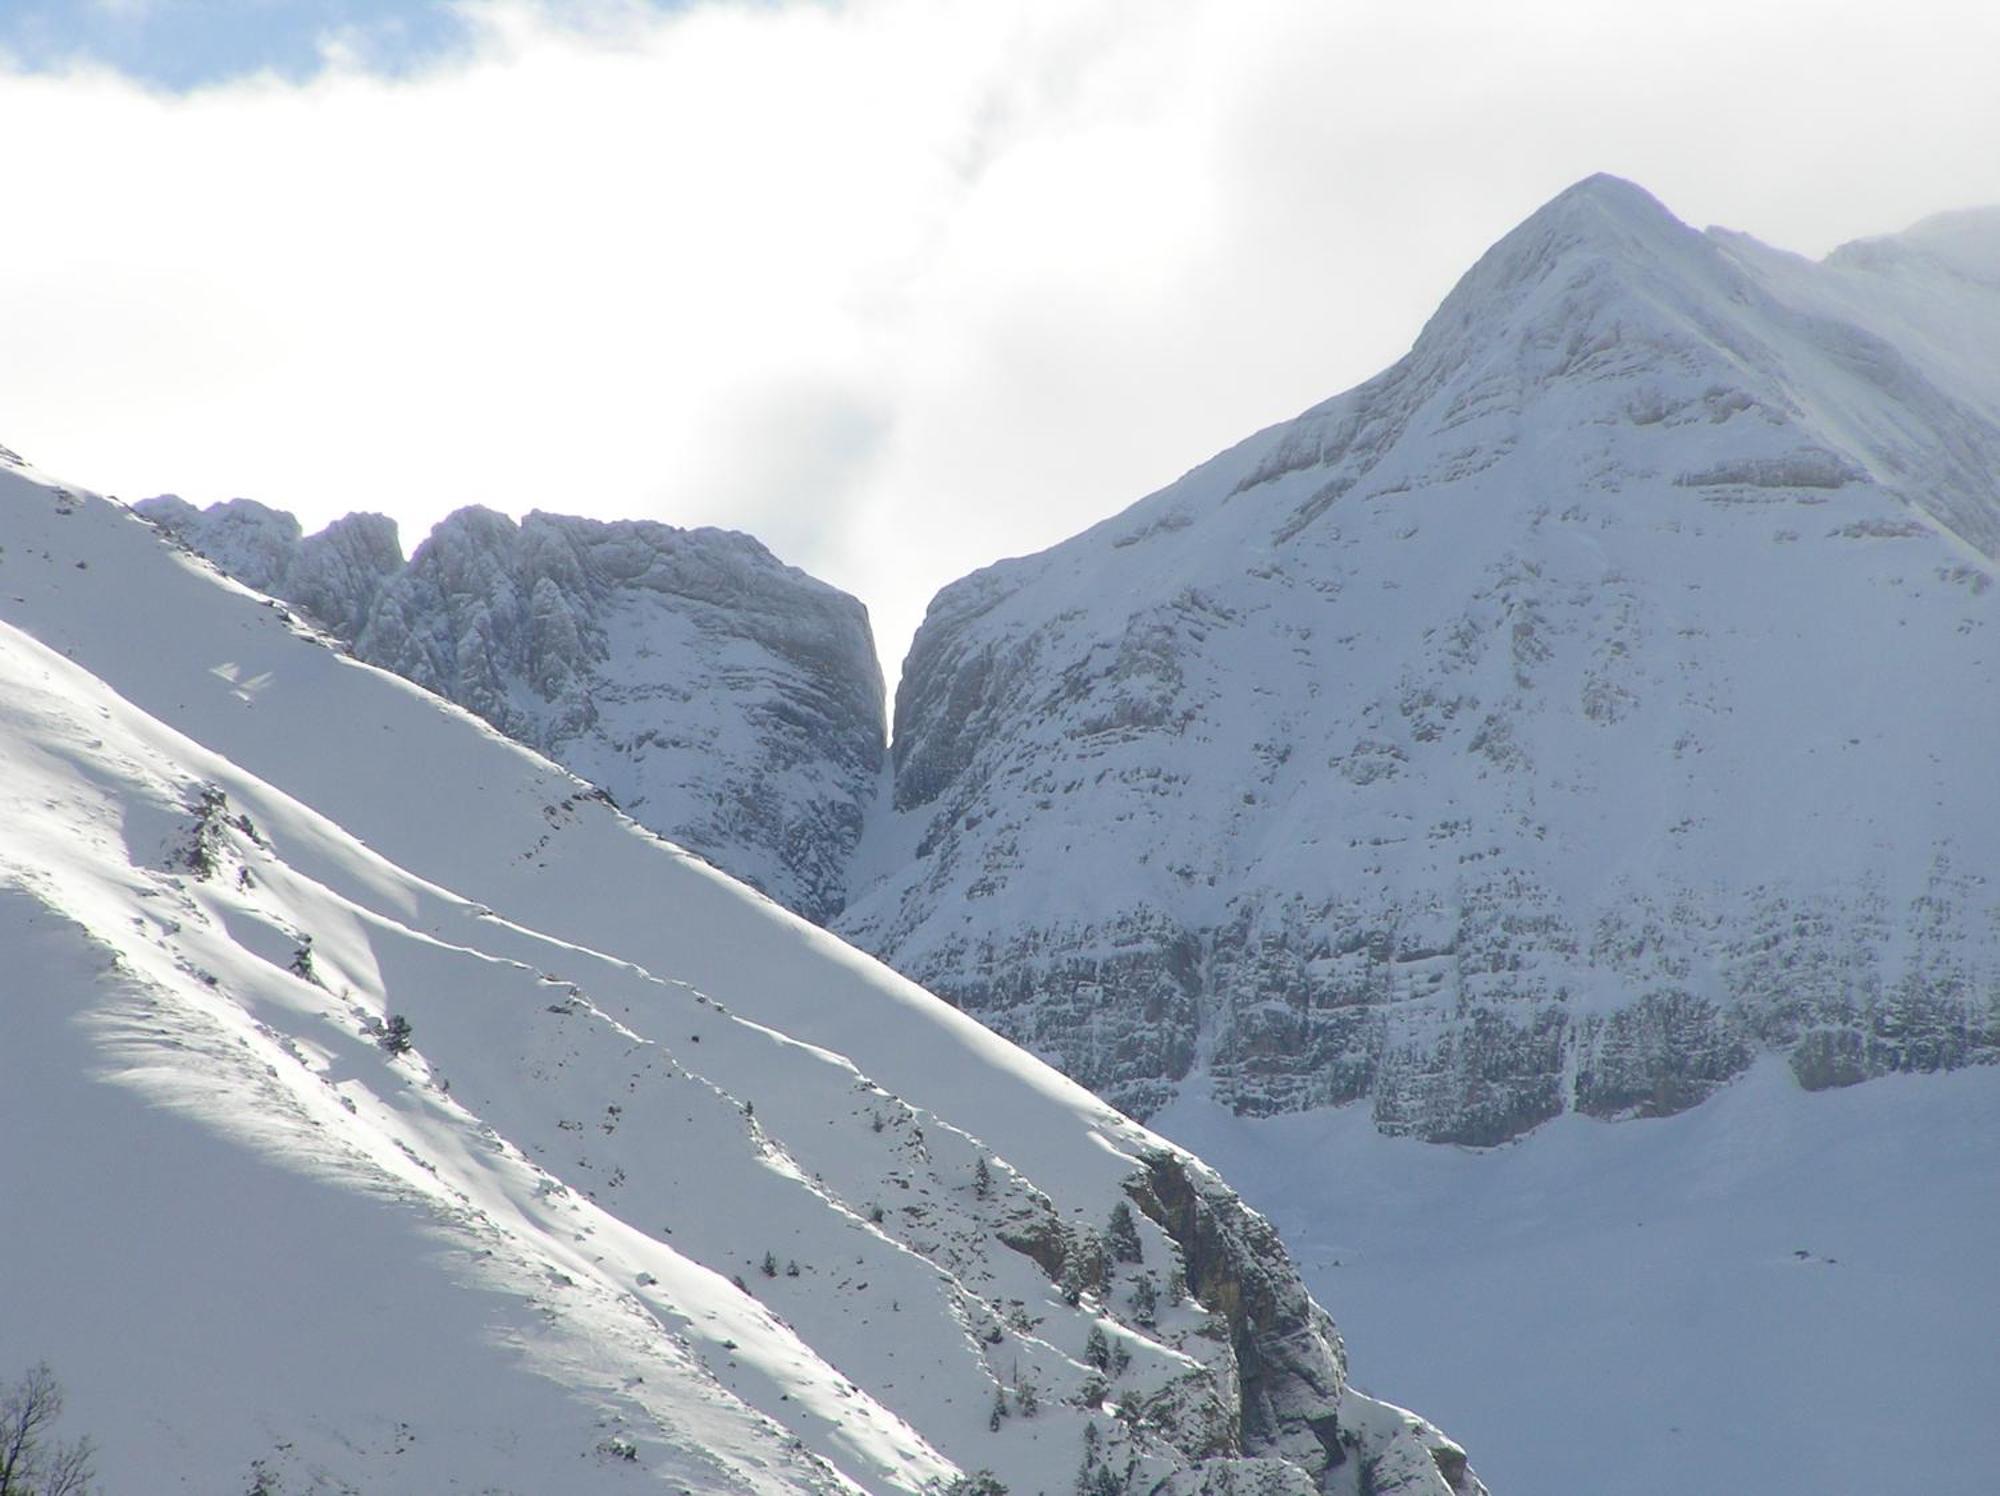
(1779, 1291)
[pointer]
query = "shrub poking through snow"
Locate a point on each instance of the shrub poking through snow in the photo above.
(977, 1483)
(395, 1035)
(32, 1463)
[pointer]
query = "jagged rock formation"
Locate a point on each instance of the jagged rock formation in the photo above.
(724, 699)
(1603, 694)
(335, 575)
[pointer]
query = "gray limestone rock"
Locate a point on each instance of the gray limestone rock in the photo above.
(725, 700)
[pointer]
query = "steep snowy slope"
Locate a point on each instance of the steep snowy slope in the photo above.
(386, 1112)
(725, 700)
(1602, 696)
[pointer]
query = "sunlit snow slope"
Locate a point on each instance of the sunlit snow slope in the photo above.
(665, 1187)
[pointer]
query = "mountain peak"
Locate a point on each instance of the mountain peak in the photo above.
(1605, 193)
(1601, 217)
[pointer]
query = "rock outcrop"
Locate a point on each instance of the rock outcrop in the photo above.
(726, 700)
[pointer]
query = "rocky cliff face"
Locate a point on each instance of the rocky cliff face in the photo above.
(1598, 697)
(727, 701)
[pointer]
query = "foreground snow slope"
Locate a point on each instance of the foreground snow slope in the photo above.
(666, 1185)
(1600, 697)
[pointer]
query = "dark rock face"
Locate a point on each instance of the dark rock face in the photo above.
(728, 701)
(1293, 1402)
(1292, 1368)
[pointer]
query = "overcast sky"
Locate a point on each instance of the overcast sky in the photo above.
(899, 286)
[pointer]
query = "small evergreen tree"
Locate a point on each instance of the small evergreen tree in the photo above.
(769, 1266)
(999, 1409)
(1072, 1285)
(1145, 1302)
(1125, 1246)
(1097, 1349)
(982, 1179)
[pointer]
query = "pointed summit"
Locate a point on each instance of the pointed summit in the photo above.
(1609, 194)
(1601, 218)
(1604, 211)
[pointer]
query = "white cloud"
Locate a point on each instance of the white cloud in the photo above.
(900, 285)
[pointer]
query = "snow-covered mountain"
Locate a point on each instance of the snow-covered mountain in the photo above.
(1601, 697)
(1590, 712)
(726, 700)
(1590, 703)
(384, 1111)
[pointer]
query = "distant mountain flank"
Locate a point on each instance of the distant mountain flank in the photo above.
(1600, 696)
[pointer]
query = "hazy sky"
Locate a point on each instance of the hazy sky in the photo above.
(900, 286)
